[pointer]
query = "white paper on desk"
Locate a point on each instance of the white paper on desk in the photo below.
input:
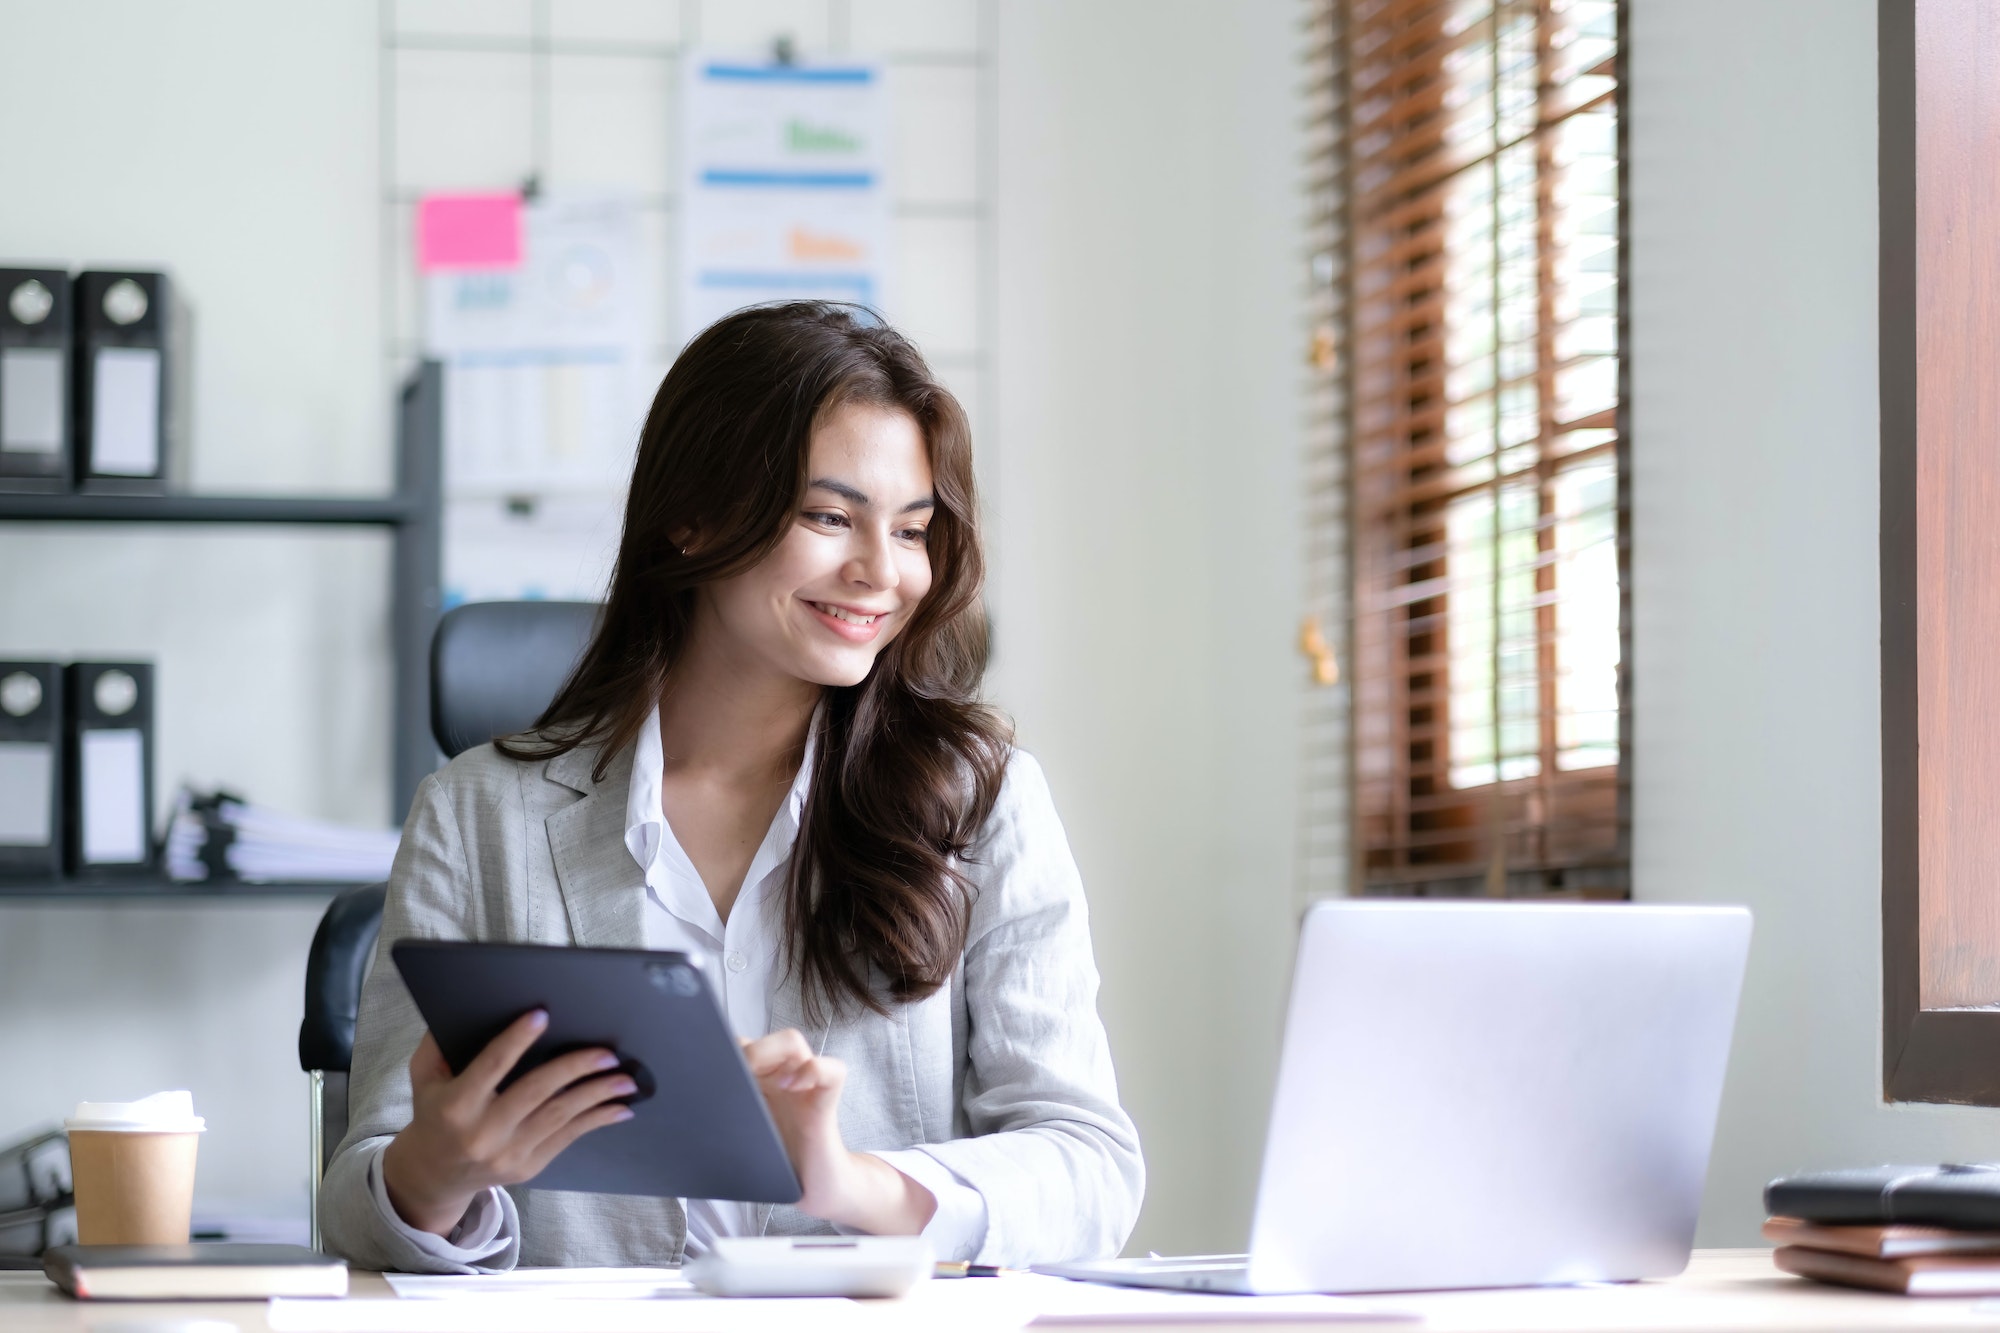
(983, 1305)
(633, 1284)
(548, 1309)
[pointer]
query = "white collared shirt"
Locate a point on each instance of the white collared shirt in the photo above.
(741, 958)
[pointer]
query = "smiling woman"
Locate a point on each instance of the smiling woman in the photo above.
(772, 757)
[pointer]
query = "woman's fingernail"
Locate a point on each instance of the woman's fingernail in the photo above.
(539, 1019)
(606, 1061)
(624, 1113)
(624, 1087)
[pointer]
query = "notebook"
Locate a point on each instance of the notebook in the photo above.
(1882, 1242)
(1924, 1275)
(207, 1272)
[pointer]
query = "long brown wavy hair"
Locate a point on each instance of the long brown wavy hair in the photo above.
(909, 762)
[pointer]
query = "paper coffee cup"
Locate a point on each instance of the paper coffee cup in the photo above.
(132, 1167)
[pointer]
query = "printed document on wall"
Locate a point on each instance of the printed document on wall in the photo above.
(541, 313)
(785, 186)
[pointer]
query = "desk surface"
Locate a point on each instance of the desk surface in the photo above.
(1722, 1289)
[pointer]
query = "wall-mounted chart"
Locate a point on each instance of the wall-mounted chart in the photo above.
(785, 185)
(540, 312)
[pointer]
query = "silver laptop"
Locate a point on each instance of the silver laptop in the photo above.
(1485, 1095)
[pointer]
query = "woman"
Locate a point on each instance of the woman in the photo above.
(772, 755)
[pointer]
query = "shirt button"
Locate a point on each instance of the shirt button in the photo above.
(735, 962)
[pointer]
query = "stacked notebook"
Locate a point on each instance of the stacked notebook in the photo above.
(192, 1272)
(1917, 1230)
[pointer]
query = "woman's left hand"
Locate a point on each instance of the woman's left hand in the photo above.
(851, 1189)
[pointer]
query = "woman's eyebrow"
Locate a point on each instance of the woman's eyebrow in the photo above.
(839, 488)
(848, 493)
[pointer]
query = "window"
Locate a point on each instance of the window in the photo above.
(1467, 199)
(1940, 566)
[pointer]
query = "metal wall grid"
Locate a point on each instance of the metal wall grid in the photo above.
(515, 70)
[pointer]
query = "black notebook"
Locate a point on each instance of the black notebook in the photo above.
(208, 1272)
(1965, 1196)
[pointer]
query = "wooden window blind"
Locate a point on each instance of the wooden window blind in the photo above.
(1469, 344)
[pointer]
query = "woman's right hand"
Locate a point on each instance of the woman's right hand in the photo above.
(465, 1135)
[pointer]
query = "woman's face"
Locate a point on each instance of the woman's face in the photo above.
(853, 566)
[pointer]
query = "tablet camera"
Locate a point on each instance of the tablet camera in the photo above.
(642, 1077)
(674, 979)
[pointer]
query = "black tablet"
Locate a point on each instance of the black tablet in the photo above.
(700, 1128)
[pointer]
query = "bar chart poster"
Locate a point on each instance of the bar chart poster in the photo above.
(784, 182)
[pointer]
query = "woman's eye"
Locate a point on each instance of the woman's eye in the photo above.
(917, 536)
(828, 521)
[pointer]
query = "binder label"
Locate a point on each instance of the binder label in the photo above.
(31, 399)
(27, 777)
(113, 776)
(125, 412)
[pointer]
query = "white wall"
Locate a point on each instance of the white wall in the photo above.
(1149, 362)
(1143, 387)
(231, 141)
(1757, 775)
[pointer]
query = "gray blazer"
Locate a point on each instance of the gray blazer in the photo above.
(1004, 1075)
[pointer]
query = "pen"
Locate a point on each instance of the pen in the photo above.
(960, 1268)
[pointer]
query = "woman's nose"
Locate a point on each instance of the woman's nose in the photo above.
(873, 562)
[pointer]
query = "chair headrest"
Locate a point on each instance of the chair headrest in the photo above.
(496, 665)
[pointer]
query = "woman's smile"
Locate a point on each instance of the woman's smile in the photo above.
(850, 623)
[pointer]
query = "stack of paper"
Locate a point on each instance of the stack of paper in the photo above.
(220, 836)
(659, 1300)
(1902, 1257)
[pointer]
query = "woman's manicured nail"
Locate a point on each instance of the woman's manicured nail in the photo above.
(606, 1061)
(539, 1019)
(624, 1113)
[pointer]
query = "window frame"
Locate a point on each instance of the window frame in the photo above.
(1940, 586)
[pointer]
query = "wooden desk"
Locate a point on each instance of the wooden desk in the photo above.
(1722, 1290)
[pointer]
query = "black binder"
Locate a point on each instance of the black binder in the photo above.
(109, 794)
(34, 379)
(31, 771)
(1956, 1194)
(122, 378)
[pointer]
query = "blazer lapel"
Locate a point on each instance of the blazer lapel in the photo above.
(787, 1010)
(602, 887)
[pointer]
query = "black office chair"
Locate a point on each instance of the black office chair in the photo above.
(494, 667)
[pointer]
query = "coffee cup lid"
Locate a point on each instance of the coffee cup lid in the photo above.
(161, 1113)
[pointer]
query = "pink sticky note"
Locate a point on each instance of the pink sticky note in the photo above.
(469, 231)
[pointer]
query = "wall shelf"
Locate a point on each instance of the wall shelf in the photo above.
(413, 517)
(161, 889)
(384, 511)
